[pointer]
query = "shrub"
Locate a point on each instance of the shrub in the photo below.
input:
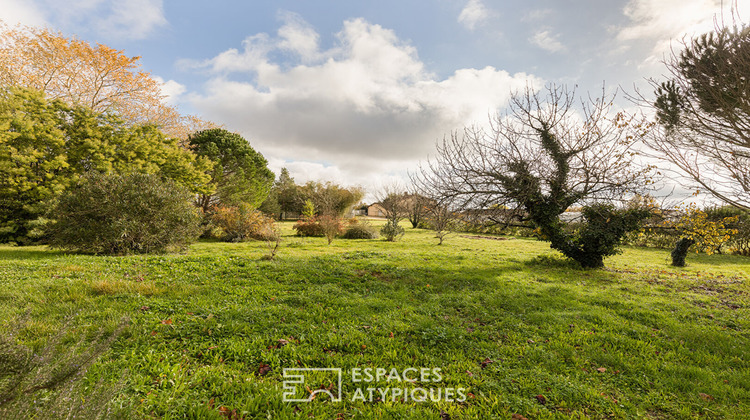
(241, 223)
(653, 236)
(601, 233)
(309, 226)
(360, 230)
(123, 214)
(740, 242)
(331, 225)
(707, 235)
(392, 231)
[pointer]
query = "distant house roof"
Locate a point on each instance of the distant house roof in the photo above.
(376, 210)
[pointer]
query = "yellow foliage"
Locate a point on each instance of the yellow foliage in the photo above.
(99, 77)
(708, 235)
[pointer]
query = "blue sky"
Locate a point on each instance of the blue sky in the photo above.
(358, 92)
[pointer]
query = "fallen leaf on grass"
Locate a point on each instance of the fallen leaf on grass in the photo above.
(517, 416)
(167, 322)
(486, 362)
(263, 369)
(540, 399)
(279, 344)
(231, 414)
(601, 369)
(706, 397)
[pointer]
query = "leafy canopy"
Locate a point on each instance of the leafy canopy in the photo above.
(46, 145)
(239, 174)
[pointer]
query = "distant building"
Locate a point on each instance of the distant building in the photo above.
(376, 210)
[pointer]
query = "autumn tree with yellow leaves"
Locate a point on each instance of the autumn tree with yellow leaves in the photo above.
(98, 77)
(697, 230)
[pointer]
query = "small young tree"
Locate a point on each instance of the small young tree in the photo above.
(696, 229)
(331, 226)
(442, 220)
(308, 209)
(393, 203)
(271, 234)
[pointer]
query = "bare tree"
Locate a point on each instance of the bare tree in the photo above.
(417, 207)
(703, 113)
(442, 219)
(540, 157)
(391, 199)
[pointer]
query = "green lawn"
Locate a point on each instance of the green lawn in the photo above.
(519, 329)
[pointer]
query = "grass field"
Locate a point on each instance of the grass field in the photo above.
(521, 331)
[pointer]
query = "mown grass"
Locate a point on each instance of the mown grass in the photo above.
(523, 331)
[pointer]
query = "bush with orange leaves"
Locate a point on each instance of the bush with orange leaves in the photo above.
(243, 222)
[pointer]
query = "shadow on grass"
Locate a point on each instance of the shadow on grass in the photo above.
(692, 257)
(30, 252)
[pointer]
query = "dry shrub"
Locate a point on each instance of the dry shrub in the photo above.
(241, 223)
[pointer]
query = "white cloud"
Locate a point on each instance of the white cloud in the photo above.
(664, 22)
(298, 37)
(473, 14)
(364, 108)
(171, 90)
(13, 12)
(111, 19)
(132, 19)
(537, 15)
(547, 41)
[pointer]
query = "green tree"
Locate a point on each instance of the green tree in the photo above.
(32, 151)
(45, 146)
(288, 193)
(329, 198)
(703, 114)
(284, 197)
(270, 205)
(239, 173)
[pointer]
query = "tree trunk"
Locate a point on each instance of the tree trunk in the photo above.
(680, 251)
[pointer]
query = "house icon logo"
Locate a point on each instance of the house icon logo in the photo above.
(306, 384)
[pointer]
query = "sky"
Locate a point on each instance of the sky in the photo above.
(358, 92)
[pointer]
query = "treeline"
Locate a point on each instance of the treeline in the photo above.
(49, 149)
(93, 160)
